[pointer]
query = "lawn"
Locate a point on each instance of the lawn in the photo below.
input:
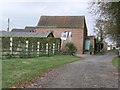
(18, 71)
(116, 62)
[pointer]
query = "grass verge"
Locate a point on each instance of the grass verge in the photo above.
(116, 62)
(18, 71)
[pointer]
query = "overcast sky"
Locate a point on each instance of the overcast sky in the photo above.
(27, 13)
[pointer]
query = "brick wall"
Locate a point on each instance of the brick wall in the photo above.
(92, 42)
(78, 36)
(105, 45)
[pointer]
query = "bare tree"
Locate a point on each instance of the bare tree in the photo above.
(107, 15)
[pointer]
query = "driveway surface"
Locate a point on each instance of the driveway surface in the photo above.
(90, 72)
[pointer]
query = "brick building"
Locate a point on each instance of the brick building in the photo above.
(68, 28)
(105, 46)
(73, 26)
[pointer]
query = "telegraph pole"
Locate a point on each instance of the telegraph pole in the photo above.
(8, 25)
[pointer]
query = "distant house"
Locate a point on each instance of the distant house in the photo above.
(30, 29)
(105, 45)
(109, 47)
(18, 30)
(26, 29)
(26, 34)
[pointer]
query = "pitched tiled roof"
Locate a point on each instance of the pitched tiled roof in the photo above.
(18, 30)
(25, 34)
(28, 28)
(62, 21)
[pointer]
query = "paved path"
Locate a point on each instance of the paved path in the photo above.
(89, 72)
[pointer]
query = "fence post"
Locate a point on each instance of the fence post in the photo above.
(53, 48)
(11, 39)
(26, 47)
(38, 47)
(47, 48)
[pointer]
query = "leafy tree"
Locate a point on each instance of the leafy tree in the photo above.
(107, 16)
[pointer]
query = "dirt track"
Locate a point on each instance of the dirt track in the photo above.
(89, 72)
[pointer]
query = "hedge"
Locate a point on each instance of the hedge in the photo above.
(20, 48)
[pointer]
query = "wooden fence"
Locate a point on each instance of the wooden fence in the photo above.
(29, 46)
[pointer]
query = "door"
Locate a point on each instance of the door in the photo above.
(87, 44)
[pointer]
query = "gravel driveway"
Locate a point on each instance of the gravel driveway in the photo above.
(90, 72)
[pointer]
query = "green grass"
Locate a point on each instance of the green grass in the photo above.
(21, 70)
(116, 62)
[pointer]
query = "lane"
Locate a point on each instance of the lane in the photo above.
(90, 72)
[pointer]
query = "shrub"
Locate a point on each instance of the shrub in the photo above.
(70, 48)
(32, 54)
(8, 55)
(62, 52)
(23, 53)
